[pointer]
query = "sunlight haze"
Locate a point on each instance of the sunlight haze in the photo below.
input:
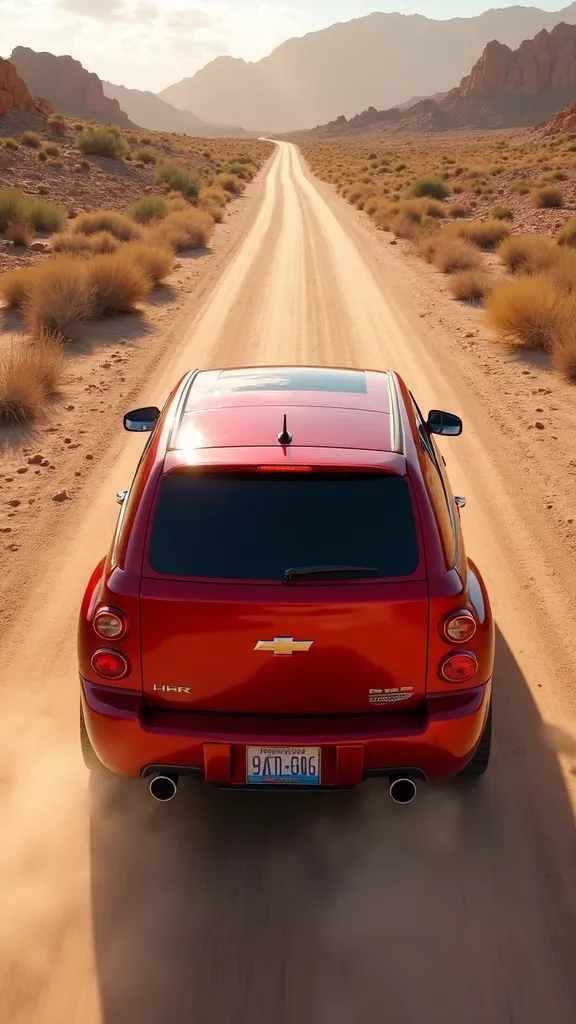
(147, 45)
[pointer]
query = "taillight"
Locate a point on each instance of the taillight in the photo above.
(110, 624)
(458, 627)
(459, 668)
(110, 664)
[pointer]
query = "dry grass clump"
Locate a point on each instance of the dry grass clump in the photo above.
(548, 198)
(230, 183)
(155, 260)
(115, 223)
(85, 245)
(485, 234)
(427, 244)
(39, 214)
(178, 178)
(567, 233)
(53, 150)
(454, 254)
(502, 213)
(148, 208)
(31, 139)
(471, 286)
(106, 142)
(181, 231)
(145, 156)
(458, 210)
(20, 232)
(58, 297)
(526, 254)
(117, 282)
(29, 375)
(429, 186)
(532, 311)
(214, 200)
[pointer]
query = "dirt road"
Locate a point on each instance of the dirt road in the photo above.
(234, 909)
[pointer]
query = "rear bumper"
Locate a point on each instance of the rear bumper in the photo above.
(436, 743)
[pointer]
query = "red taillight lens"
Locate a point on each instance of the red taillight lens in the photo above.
(458, 627)
(110, 624)
(110, 664)
(459, 668)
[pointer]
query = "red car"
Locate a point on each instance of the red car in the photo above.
(287, 599)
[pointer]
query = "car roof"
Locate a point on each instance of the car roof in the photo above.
(331, 408)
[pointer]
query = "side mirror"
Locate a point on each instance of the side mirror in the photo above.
(142, 419)
(444, 423)
(120, 496)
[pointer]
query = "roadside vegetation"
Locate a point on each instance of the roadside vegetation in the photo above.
(66, 264)
(493, 212)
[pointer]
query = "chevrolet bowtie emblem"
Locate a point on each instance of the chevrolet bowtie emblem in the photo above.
(283, 645)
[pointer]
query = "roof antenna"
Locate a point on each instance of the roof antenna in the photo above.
(285, 437)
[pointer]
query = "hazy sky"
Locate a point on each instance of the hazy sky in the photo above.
(149, 44)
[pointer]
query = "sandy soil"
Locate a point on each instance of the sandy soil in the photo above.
(226, 907)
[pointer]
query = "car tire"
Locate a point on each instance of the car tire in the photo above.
(91, 760)
(479, 763)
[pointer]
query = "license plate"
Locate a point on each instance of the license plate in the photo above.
(299, 766)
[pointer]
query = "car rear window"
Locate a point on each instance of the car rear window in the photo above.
(255, 526)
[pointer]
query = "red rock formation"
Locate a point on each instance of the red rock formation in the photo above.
(546, 62)
(563, 122)
(70, 88)
(15, 95)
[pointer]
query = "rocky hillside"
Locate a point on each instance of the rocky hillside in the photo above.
(15, 94)
(149, 111)
(68, 86)
(506, 88)
(379, 59)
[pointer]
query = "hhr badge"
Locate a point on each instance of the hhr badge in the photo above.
(281, 646)
(171, 689)
(390, 696)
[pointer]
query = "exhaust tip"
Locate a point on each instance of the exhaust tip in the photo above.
(403, 791)
(163, 787)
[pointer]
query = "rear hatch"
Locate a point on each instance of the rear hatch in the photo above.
(224, 629)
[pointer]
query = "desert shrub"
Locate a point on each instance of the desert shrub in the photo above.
(148, 208)
(485, 234)
(20, 232)
(59, 297)
(29, 374)
(532, 310)
(470, 286)
(527, 253)
(108, 220)
(10, 144)
(43, 216)
(550, 197)
(427, 244)
(433, 187)
(458, 210)
(145, 156)
(42, 156)
(52, 149)
(454, 254)
(85, 245)
(358, 193)
(567, 233)
(230, 183)
(31, 139)
(117, 284)
(105, 142)
(404, 226)
(502, 213)
(155, 260)
(240, 171)
(562, 270)
(212, 196)
(181, 231)
(174, 177)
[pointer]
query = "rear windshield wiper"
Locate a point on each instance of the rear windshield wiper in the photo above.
(312, 570)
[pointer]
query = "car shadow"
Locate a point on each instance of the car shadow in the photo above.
(256, 907)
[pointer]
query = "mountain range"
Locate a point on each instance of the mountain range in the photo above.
(377, 60)
(505, 88)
